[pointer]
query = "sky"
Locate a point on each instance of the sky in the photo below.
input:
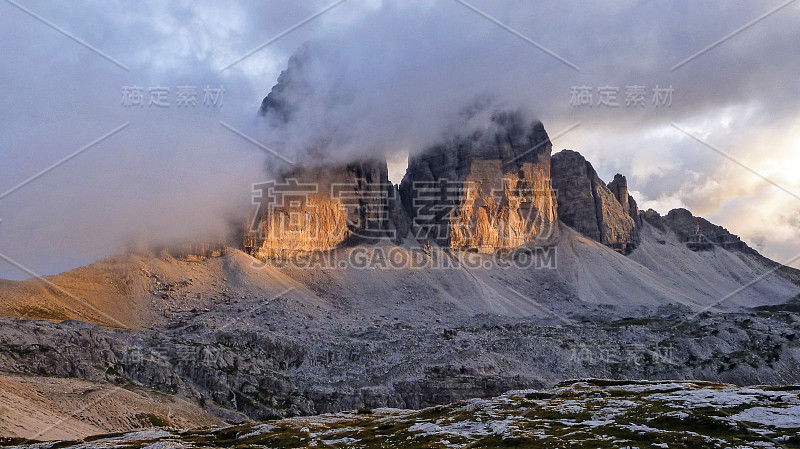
(697, 103)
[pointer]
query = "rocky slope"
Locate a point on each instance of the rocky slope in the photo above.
(47, 408)
(371, 321)
(246, 340)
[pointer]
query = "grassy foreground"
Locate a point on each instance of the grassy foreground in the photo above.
(581, 414)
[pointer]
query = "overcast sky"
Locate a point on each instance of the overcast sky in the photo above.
(389, 79)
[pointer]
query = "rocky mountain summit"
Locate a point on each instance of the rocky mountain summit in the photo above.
(589, 206)
(490, 189)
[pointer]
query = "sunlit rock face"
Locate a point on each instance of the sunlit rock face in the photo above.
(484, 191)
(327, 199)
(321, 208)
(590, 207)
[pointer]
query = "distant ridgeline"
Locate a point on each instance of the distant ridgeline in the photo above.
(191, 251)
(698, 233)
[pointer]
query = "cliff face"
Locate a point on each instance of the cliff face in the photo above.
(321, 208)
(590, 207)
(484, 191)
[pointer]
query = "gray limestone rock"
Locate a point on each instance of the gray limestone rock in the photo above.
(587, 205)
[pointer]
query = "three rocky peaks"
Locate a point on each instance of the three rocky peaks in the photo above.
(496, 189)
(497, 186)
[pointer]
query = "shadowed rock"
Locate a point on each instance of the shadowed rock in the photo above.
(587, 205)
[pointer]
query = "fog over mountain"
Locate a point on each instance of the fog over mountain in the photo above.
(382, 78)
